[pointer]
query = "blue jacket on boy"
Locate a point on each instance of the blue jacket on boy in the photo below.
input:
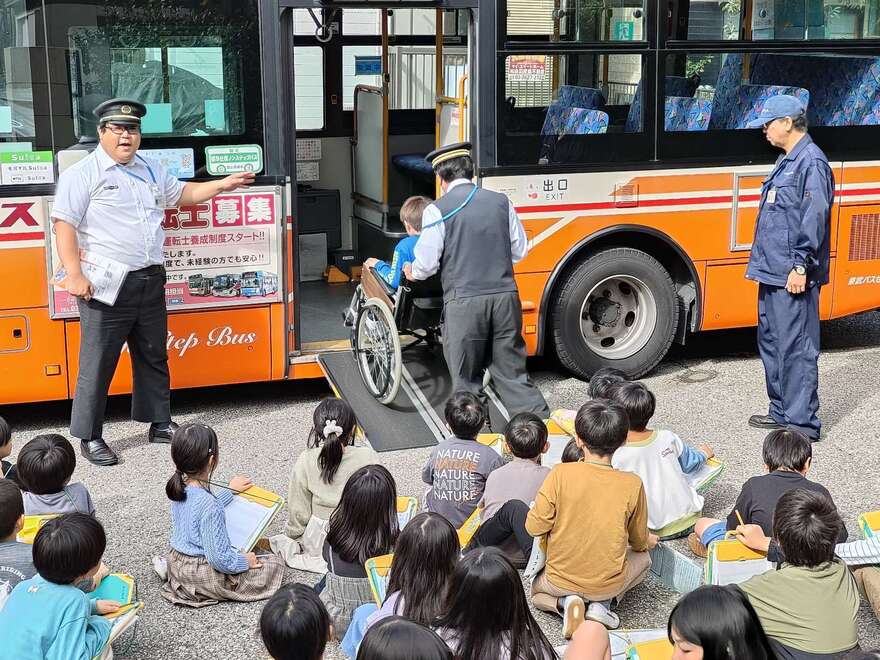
(47, 621)
(404, 253)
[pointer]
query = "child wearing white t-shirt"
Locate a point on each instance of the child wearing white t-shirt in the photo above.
(661, 459)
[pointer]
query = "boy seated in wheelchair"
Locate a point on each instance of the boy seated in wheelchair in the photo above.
(404, 251)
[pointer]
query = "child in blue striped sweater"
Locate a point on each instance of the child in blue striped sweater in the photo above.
(202, 559)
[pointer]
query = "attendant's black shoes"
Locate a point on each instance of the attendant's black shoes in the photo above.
(764, 422)
(161, 432)
(97, 452)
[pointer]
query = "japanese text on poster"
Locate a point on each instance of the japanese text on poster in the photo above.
(222, 252)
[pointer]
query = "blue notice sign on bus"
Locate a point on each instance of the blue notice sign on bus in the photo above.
(368, 65)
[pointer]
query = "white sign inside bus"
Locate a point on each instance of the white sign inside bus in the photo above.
(233, 158)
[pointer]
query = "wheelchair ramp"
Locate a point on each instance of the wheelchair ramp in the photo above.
(415, 417)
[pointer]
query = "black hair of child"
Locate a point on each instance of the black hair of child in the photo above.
(806, 525)
(67, 547)
(425, 556)
(487, 608)
(396, 638)
(295, 624)
(331, 414)
(604, 378)
(46, 463)
(11, 507)
(364, 524)
(5, 432)
(465, 415)
(602, 426)
(526, 435)
(786, 448)
(638, 401)
(723, 622)
(192, 447)
(572, 453)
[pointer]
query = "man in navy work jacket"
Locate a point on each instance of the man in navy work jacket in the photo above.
(112, 204)
(790, 261)
(473, 237)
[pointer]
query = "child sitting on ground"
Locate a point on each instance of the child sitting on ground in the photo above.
(603, 379)
(7, 469)
(404, 251)
(16, 559)
(201, 557)
(316, 483)
(45, 466)
(47, 617)
(661, 459)
(425, 556)
(458, 467)
(571, 453)
(364, 525)
(512, 487)
(808, 607)
(487, 614)
(787, 457)
(295, 624)
(597, 521)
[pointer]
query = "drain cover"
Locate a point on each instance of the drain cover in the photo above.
(697, 376)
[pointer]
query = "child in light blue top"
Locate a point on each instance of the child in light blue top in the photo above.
(47, 617)
(404, 252)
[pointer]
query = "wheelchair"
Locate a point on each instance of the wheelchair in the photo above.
(381, 316)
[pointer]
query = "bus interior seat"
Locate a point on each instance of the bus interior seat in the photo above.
(569, 121)
(573, 96)
(749, 99)
(843, 90)
(414, 165)
(730, 78)
(685, 113)
(675, 86)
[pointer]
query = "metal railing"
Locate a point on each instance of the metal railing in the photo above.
(412, 77)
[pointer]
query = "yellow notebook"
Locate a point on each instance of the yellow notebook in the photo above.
(658, 649)
(120, 588)
(32, 525)
(407, 508)
(731, 562)
(249, 514)
(870, 524)
(564, 419)
(378, 569)
(469, 528)
(493, 440)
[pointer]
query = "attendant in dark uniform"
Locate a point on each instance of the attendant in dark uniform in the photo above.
(790, 262)
(112, 203)
(477, 237)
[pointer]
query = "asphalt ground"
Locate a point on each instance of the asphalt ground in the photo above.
(705, 392)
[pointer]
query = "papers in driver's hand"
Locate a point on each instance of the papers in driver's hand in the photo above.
(105, 275)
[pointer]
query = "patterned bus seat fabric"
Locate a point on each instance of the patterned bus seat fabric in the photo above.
(749, 100)
(573, 96)
(843, 90)
(730, 78)
(675, 86)
(687, 113)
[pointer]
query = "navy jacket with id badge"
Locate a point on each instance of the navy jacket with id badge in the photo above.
(793, 223)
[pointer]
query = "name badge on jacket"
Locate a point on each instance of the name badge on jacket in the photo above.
(771, 196)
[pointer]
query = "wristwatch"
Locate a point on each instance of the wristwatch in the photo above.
(800, 270)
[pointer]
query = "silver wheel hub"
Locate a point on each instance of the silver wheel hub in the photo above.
(618, 317)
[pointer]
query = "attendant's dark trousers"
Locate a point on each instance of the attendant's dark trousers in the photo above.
(139, 318)
(788, 343)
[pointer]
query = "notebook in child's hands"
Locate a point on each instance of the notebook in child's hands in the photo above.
(623, 640)
(731, 562)
(378, 569)
(705, 475)
(655, 648)
(407, 508)
(31, 526)
(120, 588)
(249, 514)
(869, 523)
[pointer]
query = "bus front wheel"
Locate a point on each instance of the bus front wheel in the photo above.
(618, 309)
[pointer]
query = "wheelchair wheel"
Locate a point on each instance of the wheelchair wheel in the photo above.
(376, 346)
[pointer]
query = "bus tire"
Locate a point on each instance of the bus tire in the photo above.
(617, 308)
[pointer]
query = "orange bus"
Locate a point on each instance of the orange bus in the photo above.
(616, 127)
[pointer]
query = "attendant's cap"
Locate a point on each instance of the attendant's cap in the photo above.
(120, 111)
(777, 107)
(448, 152)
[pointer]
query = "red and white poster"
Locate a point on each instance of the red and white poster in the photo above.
(223, 252)
(526, 68)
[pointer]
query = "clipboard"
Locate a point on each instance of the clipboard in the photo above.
(656, 649)
(732, 562)
(31, 526)
(248, 516)
(378, 569)
(869, 523)
(407, 508)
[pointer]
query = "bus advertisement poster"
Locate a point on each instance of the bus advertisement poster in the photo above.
(221, 253)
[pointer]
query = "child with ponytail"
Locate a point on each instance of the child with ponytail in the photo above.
(316, 482)
(202, 567)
